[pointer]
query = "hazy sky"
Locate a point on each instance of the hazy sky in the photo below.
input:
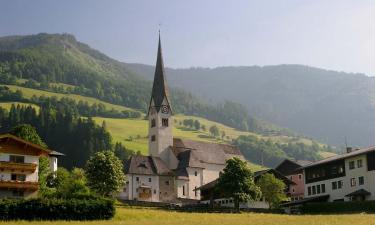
(332, 34)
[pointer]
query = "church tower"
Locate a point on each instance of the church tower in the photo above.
(160, 113)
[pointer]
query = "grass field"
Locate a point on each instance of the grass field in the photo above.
(144, 216)
(7, 105)
(29, 92)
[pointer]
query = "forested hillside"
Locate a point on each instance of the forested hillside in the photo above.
(46, 59)
(326, 105)
(68, 90)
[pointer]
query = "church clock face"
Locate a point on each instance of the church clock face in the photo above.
(165, 109)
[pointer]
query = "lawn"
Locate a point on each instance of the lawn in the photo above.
(29, 92)
(145, 216)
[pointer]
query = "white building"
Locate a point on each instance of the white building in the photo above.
(175, 167)
(346, 177)
(19, 163)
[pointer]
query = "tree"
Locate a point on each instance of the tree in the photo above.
(28, 133)
(222, 134)
(104, 173)
(237, 182)
(197, 125)
(272, 189)
(203, 127)
(214, 131)
(43, 172)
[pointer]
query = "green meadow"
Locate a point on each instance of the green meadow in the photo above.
(146, 216)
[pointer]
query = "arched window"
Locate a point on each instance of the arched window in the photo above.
(164, 122)
(153, 123)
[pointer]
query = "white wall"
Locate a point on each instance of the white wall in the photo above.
(369, 179)
(6, 175)
(132, 185)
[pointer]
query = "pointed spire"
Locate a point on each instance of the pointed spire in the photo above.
(160, 88)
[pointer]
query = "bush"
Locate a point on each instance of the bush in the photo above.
(338, 207)
(56, 209)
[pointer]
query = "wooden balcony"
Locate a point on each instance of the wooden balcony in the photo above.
(13, 166)
(12, 184)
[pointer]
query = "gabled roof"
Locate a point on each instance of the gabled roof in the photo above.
(146, 165)
(289, 167)
(35, 146)
(195, 153)
(342, 156)
(160, 88)
(360, 192)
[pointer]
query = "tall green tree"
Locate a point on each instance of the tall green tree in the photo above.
(214, 131)
(272, 189)
(28, 133)
(104, 173)
(237, 182)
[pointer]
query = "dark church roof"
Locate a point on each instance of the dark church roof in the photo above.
(147, 165)
(160, 88)
(196, 153)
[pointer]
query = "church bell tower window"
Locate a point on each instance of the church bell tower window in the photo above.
(164, 122)
(153, 123)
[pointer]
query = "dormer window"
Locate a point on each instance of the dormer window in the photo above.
(153, 123)
(164, 122)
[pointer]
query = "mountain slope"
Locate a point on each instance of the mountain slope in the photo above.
(322, 104)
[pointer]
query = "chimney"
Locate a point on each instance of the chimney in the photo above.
(349, 149)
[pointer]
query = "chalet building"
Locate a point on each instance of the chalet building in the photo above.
(19, 162)
(346, 177)
(209, 196)
(293, 170)
(175, 167)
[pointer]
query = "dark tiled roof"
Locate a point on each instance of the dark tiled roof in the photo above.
(360, 192)
(277, 174)
(322, 198)
(147, 165)
(160, 88)
(195, 153)
(342, 156)
(289, 167)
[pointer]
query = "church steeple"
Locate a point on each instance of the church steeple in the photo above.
(160, 89)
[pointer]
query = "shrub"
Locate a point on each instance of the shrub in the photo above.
(338, 207)
(56, 209)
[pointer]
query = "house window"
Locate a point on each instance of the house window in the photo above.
(323, 188)
(18, 177)
(334, 185)
(183, 190)
(313, 190)
(137, 178)
(195, 191)
(361, 180)
(300, 176)
(153, 123)
(196, 173)
(351, 165)
(153, 138)
(17, 158)
(293, 190)
(309, 191)
(124, 190)
(164, 122)
(154, 191)
(352, 182)
(149, 179)
(318, 189)
(167, 182)
(340, 183)
(359, 163)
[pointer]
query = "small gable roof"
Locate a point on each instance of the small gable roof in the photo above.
(146, 165)
(28, 143)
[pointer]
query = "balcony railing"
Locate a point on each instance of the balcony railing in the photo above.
(13, 184)
(27, 167)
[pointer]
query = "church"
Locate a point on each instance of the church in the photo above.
(175, 167)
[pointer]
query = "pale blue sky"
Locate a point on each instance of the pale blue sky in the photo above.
(332, 34)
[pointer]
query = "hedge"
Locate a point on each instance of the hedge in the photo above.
(56, 209)
(339, 207)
